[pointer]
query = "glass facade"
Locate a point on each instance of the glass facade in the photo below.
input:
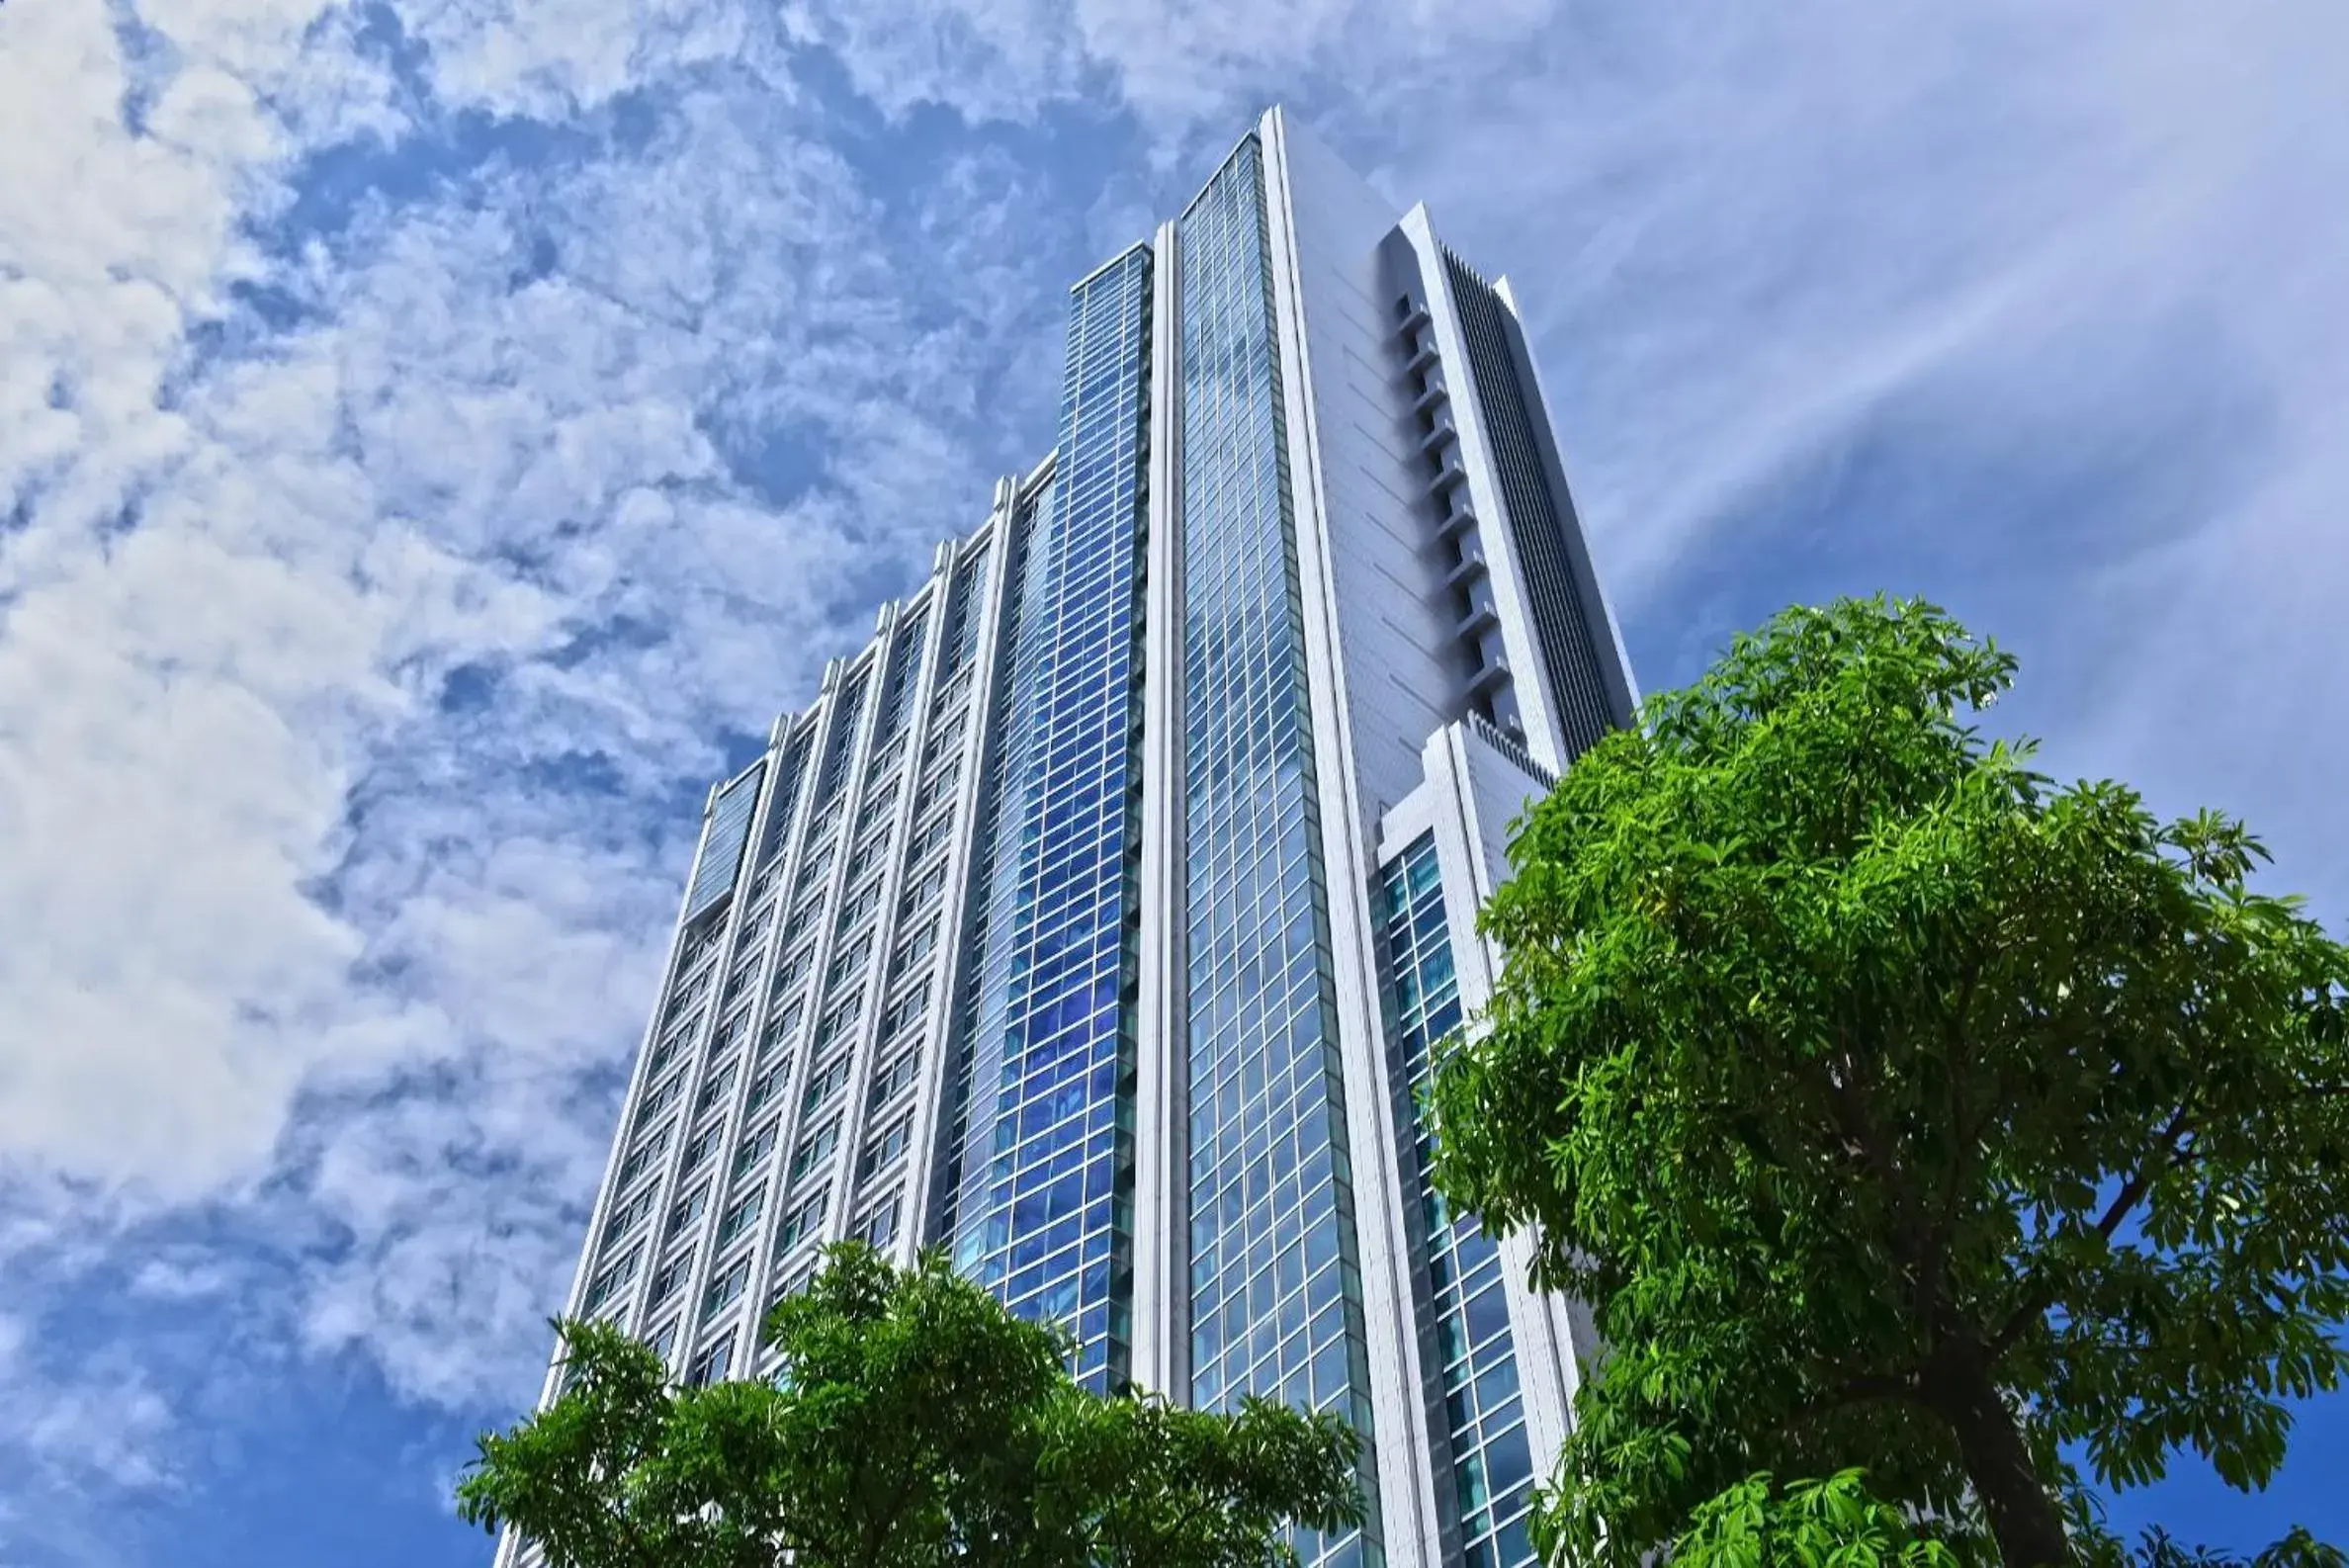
(1491, 1462)
(721, 842)
(1044, 1214)
(1275, 1293)
(904, 998)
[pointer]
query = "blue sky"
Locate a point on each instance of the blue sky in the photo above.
(437, 436)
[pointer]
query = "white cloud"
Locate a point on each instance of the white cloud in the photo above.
(254, 865)
(101, 1422)
(1191, 72)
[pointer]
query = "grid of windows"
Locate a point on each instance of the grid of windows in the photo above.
(839, 747)
(962, 615)
(904, 671)
(991, 880)
(1276, 1298)
(1491, 1464)
(790, 772)
(1044, 1216)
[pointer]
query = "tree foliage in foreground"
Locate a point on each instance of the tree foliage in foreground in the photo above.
(1895, 1108)
(919, 1425)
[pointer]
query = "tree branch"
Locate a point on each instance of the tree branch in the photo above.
(2161, 1158)
(1933, 1259)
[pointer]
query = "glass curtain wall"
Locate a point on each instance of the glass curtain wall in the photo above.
(1044, 1214)
(1275, 1294)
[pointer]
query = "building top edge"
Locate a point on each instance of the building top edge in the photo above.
(1142, 245)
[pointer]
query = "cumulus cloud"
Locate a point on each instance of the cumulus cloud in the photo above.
(375, 603)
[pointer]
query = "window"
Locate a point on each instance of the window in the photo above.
(740, 1218)
(663, 1339)
(904, 1012)
(814, 1147)
(624, 1218)
(661, 1099)
(825, 1083)
(726, 1287)
(672, 1274)
(667, 1051)
(607, 1284)
(926, 890)
(766, 1085)
(893, 1079)
(879, 1226)
(731, 1030)
(804, 917)
(755, 1149)
(931, 835)
(848, 963)
(879, 806)
(886, 1145)
(705, 1143)
(781, 1023)
(679, 1000)
(740, 981)
(710, 1366)
(755, 927)
(795, 968)
(937, 787)
(685, 1212)
(792, 1276)
(835, 1022)
(912, 950)
(713, 1087)
(640, 1158)
(801, 1223)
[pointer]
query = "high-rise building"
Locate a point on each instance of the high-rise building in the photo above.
(1096, 920)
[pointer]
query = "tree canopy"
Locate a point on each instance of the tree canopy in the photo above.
(916, 1423)
(1895, 1108)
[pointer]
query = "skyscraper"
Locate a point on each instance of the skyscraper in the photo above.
(1097, 920)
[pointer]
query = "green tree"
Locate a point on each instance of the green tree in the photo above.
(1895, 1108)
(917, 1425)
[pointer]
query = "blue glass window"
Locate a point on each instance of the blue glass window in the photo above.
(1492, 1464)
(1276, 1296)
(1044, 1165)
(721, 842)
